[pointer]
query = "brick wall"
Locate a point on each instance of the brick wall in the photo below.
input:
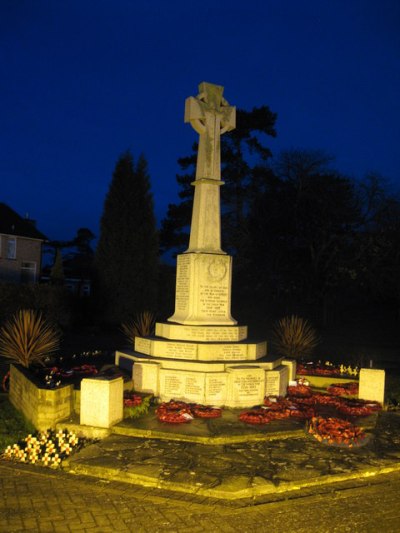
(43, 407)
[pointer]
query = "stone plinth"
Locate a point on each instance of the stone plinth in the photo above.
(372, 385)
(101, 402)
(203, 290)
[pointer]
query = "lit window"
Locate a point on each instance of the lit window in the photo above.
(12, 248)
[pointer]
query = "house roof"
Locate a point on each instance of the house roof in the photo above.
(12, 224)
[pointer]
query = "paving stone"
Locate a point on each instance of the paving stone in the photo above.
(38, 499)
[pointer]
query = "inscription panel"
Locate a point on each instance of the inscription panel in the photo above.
(213, 300)
(176, 350)
(276, 381)
(216, 388)
(143, 345)
(246, 386)
(223, 352)
(201, 333)
(272, 383)
(182, 284)
(183, 385)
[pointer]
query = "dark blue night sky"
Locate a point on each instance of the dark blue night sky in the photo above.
(84, 80)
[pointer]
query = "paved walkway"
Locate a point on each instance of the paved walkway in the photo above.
(279, 459)
(36, 499)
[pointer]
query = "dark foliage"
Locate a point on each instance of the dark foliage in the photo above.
(127, 253)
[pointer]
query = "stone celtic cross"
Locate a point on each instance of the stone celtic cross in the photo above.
(211, 116)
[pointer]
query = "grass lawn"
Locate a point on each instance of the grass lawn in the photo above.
(13, 426)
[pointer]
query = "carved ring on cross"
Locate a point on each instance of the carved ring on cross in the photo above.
(199, 124)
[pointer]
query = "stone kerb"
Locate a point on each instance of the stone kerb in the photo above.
(42, 407)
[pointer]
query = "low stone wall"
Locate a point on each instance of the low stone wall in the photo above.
(42, 407)
(322, 382)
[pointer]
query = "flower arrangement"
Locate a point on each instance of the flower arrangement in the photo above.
(136, 405)
(47, 448)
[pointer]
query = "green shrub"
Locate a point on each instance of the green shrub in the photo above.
(294, 337)
(141, 326)
(27, 338)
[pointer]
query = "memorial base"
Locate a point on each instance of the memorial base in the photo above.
(217, 383)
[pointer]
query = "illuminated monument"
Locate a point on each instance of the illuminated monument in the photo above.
(200, 354)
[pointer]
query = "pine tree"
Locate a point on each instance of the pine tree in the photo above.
(244, 159)
(127, 252)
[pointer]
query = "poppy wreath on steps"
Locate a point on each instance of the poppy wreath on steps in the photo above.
(343, 389)
(177, 412)
(299, 391)
(205, 411)
(335, 431)
(358, 407)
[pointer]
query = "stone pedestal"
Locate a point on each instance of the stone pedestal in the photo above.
(101, 402)
(203, 289)
(372, 385)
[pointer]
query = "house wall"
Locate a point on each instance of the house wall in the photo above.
(27, 251)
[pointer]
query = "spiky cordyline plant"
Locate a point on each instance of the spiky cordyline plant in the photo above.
(294, 337)
(141, 326)
(28, 338)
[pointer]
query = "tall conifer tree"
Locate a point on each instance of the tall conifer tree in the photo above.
(127, 251)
